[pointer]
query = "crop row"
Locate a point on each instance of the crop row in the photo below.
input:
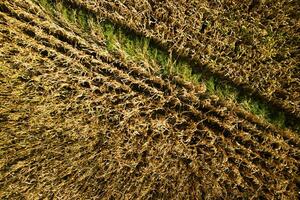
(153, 125)
(251, 52)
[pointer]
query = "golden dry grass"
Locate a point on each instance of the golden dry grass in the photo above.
(78, 121)
(252, 44)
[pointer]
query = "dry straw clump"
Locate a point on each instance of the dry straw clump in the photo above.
(80, 122)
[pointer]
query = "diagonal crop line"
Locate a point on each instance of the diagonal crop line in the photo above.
(129, 40)
(96, 112)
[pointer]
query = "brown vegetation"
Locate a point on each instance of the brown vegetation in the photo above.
(78, 122)
(252, 44)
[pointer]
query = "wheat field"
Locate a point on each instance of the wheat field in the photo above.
(112, 100)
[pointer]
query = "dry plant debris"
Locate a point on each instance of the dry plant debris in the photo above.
(252, 44)
(78, 121)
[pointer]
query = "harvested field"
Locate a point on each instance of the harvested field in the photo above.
(83, 116)
(251, 44)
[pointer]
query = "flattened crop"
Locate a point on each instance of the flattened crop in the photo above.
(82, 117)
(251, 44)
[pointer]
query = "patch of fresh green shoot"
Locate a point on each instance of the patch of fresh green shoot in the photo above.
(110, 36)
(47, 4)
(83, 20)
(64, 11)
(210, 85)
(185, 70)
(226, 92)
(256, 108)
